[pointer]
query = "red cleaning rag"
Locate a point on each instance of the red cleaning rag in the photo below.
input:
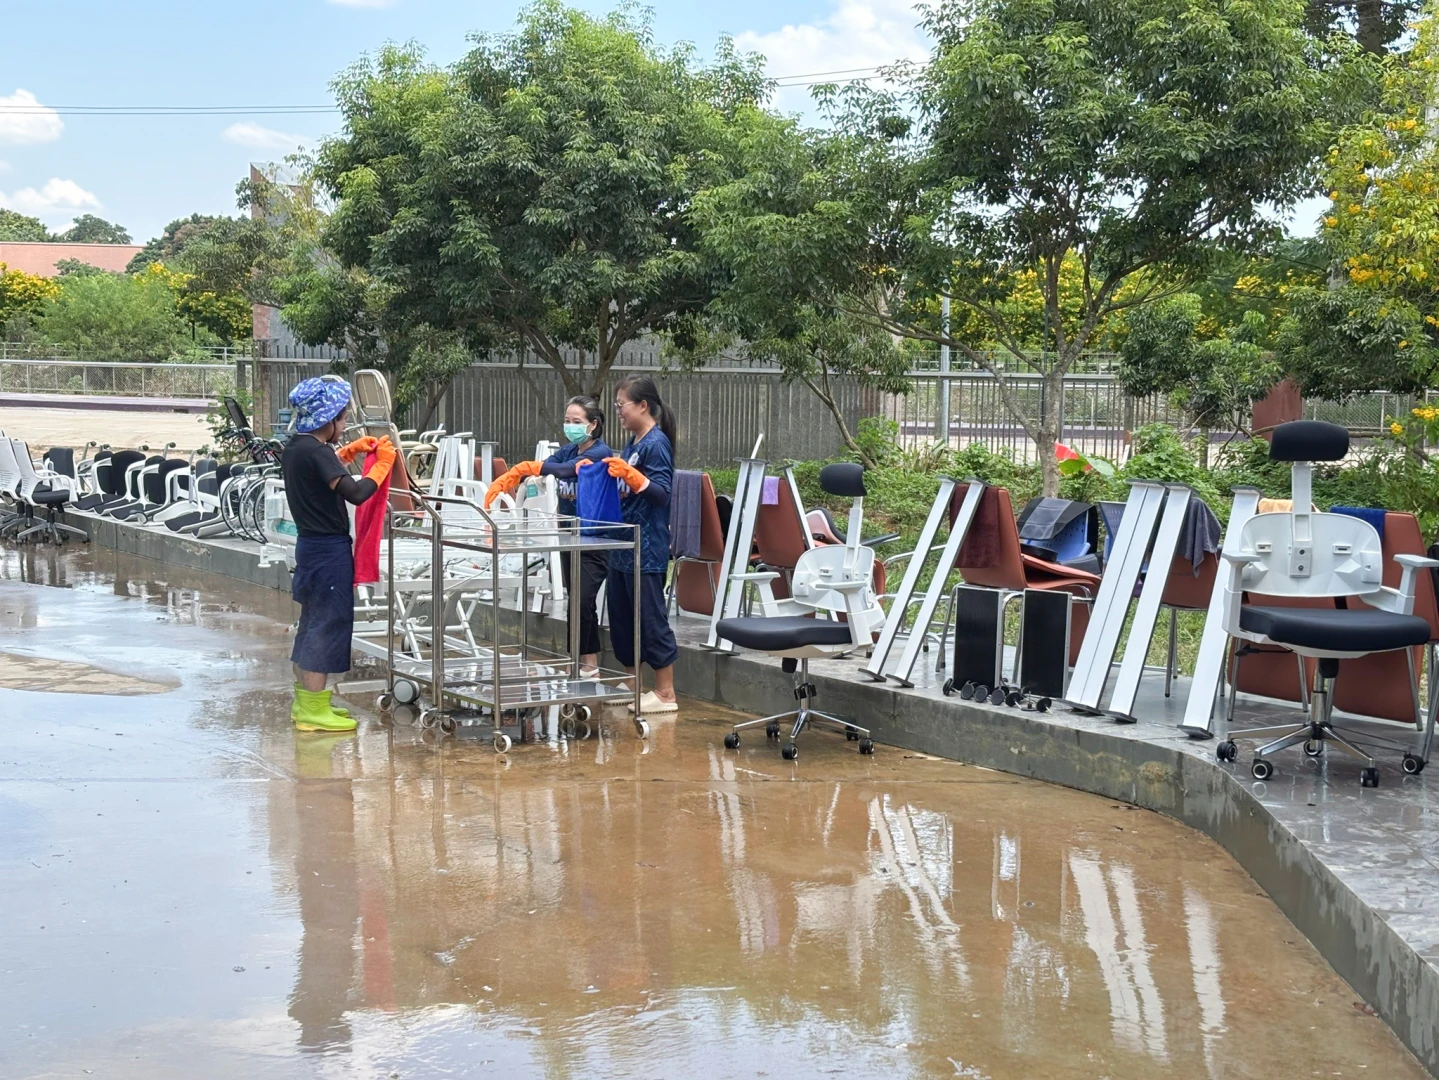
(369, 528)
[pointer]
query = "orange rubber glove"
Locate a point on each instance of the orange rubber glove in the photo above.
(351, 451)
(581, 463)
(621, 469)
(508, 481)
(384, 460)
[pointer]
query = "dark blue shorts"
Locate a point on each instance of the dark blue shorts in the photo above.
(658, 647)
(324, 586)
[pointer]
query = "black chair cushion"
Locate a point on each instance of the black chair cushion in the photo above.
(46, 497)
(1335, 629)
(784, 632)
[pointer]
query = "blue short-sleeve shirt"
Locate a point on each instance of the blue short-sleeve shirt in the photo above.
(655, 457)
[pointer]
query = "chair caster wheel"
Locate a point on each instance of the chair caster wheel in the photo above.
(406, 692)
(967, 691)
(731, 741)
(850, 735)
(1413, 765)
(978, 693)
(447, 725)
(789, 751)
(642, 729)
(1043, 705)
(1369, 777)
(948, 687)
(771, 731)
(998, 695)
(1261, 769)
(1313, 748)
(385, 702)
(502, 743)
(866, 746)
(1226, 751)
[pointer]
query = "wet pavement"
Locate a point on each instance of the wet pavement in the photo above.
(192, 889)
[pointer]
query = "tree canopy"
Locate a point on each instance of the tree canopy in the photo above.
(15, 226)
(89, 229)
(535, 195)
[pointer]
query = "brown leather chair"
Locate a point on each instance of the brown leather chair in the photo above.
(1379, 684)
(991, 557)
(696, 581)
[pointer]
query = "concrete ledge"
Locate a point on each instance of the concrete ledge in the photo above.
(107, 402)
(1361, 901)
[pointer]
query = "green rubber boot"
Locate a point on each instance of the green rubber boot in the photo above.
(311, 712)
(338, 710)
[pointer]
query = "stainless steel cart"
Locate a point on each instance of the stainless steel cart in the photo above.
(501, 677)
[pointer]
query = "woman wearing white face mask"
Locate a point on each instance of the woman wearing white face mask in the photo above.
(584, 439)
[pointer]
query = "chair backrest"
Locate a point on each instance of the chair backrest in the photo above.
(818, 569)
(780, 531)
(1111, 514)
(1308, 554)
(120, 463)
(155, 482)
(990, 555)
(9, 470)
(24, 463)
(61, 459)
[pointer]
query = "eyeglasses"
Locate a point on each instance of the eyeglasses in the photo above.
(620, 405)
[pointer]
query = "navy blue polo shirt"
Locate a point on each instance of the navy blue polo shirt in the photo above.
(561, 465)
(650, 509)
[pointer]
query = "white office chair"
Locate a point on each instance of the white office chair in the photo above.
(1306, 554)
(827, 581)
(43, 489)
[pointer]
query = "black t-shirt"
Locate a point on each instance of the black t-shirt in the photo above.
(310, 466)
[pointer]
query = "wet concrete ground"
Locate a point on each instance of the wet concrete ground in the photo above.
(192, 889)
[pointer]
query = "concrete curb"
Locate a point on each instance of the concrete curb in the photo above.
(1167, 777)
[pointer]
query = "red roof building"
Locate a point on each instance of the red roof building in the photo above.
(41, 258)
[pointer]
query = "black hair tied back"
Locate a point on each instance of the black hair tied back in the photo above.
(642, 388)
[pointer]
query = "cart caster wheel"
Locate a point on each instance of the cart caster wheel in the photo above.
(997, 696)
(850, 735)
(1369, 777)
(404, 714)
(448, 725)
(731, 741)
(429, 718)
(866, 746)
(1413, 765)
(771, 731)
(966, 692)
(642, 729)
(789, 751)
(948, 687)
(567, 728)
(568, 712)
(1313, 748)
(502, 743)
(582, 730)
(406, 692)
(1261, 769)
(385, 702)
(583, 713)
(1226, 750)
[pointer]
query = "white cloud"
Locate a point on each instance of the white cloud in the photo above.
(4, 167)
(254, 136)
(364, 3)
(56, 201)
(856, 34)
(24, 120)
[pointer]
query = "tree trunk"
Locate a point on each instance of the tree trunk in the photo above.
(1051, 428)
(1369, 19)
(844, 434)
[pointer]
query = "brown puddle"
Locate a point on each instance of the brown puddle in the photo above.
(194, 890)
(40, 675)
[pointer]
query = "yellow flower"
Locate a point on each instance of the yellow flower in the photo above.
(1354, 208)
(1416, 412)
(1396, 429)
(1331, 221)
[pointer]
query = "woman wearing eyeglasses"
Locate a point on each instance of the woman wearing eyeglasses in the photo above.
(645, 471)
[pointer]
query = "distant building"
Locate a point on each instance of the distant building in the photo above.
(42, 258)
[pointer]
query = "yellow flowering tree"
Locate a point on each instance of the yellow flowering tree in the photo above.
(23, 295)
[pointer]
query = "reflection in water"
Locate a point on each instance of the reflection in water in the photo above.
(1204, 959)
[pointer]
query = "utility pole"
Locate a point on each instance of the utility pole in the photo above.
(941, 413)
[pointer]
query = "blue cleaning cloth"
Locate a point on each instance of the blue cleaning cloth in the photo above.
(597, 499)
(1363, 513)
(318, 401)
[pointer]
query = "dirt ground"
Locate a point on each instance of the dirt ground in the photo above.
(44, 428)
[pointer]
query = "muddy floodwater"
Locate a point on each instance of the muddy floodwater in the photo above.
(191, 889)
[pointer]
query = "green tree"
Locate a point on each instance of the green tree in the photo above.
(534, 195)
(117, 317)
(89, 229)
(171, 242)
(15, 226)
(1115, 143)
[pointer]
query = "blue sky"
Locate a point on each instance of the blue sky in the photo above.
(144, 171)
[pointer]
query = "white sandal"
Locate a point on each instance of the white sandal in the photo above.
(652, 704)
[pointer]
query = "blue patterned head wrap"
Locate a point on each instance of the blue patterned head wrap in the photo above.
(318, 401)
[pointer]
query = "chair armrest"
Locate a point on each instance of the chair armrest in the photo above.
(758, 575)
(875, 541)
(1416, 561)
(1239, 558)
